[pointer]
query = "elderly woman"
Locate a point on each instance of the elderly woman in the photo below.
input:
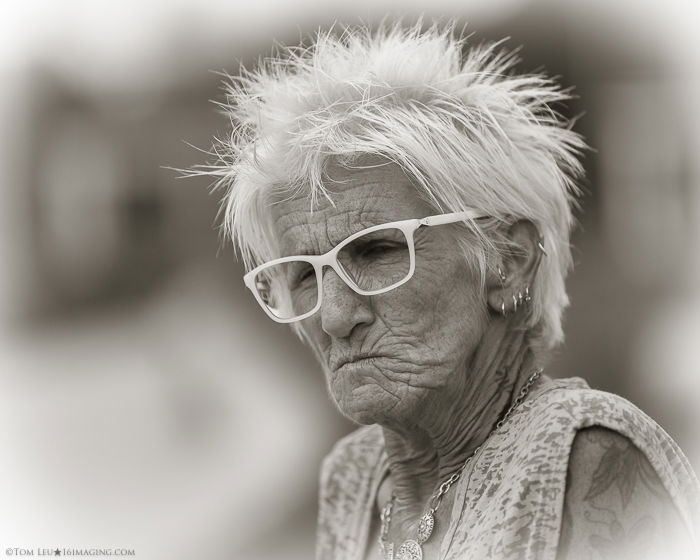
(405, 205)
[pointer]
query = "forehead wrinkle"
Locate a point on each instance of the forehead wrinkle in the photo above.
(296, 234)
(360, 199)
(351, 222)
(304, 233)
(301, 237)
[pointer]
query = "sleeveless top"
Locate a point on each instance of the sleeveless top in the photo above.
(509, 501)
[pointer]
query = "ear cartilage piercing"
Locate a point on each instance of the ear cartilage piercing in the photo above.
(501, 275)
(541, 246)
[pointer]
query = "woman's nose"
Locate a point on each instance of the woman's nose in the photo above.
(342, 309)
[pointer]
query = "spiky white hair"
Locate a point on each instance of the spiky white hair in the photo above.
(469, 132)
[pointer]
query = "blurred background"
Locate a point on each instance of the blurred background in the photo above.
(145, 401)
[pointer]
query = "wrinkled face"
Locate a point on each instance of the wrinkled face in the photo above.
(391, 357)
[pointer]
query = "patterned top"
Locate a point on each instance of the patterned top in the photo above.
(509, 501)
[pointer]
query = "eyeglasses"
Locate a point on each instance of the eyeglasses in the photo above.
(371, 262)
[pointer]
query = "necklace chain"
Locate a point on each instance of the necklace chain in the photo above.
(411, 549)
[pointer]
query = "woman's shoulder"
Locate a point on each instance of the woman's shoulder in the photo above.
(620, 461)
(349, 477)
(571, 403)
(518, 481)
(563, 407)
(559, 416)
(354, 454)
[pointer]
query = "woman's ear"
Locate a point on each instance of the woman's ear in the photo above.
(511, 285)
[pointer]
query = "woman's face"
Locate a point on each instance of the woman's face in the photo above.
(391, 357)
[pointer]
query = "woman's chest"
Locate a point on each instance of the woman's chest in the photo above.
(432, 548)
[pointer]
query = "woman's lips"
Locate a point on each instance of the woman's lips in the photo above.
(356, 360)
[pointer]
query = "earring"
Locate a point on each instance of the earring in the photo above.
(501, 275)
(540, 244)
(503, 308)
(528, 299)
(515, 303)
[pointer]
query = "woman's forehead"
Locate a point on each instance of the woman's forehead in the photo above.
(359, 198)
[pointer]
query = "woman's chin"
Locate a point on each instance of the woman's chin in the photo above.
(368, 404)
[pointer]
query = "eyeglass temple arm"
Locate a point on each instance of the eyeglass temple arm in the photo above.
(450, 218)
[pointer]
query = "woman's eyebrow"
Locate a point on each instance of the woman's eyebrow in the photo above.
(291, 245)
(357, 227)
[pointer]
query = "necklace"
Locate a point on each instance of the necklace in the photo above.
(412, 549)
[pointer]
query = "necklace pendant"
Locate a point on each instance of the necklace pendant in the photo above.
(388, 551)
(410, 550)
(425, 527)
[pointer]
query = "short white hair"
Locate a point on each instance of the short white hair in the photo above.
(469, 131)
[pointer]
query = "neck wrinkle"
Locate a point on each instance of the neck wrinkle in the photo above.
(422, 458)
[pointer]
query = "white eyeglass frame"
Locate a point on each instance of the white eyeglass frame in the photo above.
(408, 227)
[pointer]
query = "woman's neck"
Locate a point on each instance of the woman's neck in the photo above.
(455, 422)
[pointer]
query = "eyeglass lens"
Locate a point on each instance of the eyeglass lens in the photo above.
(373, 262)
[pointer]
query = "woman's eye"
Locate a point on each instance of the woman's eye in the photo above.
(378, 249)
(303, 276)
